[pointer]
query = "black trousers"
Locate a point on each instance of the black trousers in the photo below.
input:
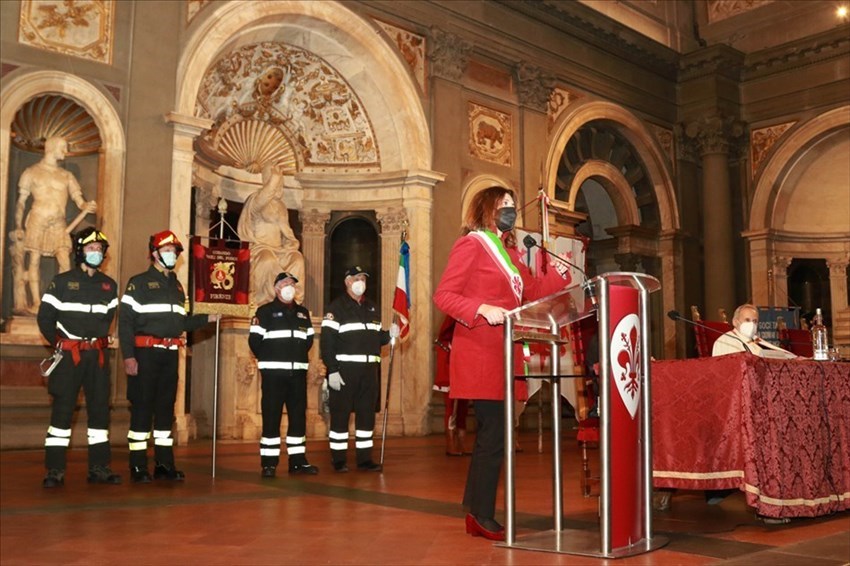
(358, 395)
(284, 388)
(64, 385)
(482, 481)
(152, 394)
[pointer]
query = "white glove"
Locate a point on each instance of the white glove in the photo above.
(394, 330)
(335, 381)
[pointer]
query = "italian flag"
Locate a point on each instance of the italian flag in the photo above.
(401, 299)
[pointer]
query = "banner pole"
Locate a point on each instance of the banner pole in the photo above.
(222, 209)
(387, 401)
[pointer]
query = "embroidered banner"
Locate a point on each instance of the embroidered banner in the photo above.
(221, 277)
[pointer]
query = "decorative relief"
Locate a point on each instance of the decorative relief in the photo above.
(489, 134)
(722, 9)
(50, 116)
(314, 221)
(715, 134)
(412, 48)
(763, 139)
(534, 86)
(193, 7)
(246, 383)
(82, 28)
(271, 101)
(665, 140)
(559, 99)
(449, 56)
(393, 220)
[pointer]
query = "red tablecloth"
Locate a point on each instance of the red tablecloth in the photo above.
(777, 429)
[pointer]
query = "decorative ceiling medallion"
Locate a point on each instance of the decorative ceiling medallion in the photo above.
(489, 134)
(412, 48)
(250, 144)
(292, 91)
(52, 115)
(761, 142)
(82, 28)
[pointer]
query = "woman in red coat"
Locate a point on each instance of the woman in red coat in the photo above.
(484, 279)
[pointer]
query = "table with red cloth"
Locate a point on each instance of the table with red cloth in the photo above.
(779, 430)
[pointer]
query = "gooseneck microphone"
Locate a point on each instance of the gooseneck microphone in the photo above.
(529, 242)
(674, 315)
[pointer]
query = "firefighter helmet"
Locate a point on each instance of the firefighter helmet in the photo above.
(164, 238)
(84, 237)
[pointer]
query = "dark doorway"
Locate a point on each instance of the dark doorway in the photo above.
(808, 288)
(353, 240)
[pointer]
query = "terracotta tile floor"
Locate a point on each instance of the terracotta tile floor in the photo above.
(410, 514)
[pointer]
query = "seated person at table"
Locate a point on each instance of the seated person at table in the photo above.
(743, 335)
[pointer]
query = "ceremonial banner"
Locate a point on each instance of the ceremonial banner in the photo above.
(401, 299)
(221, 277)
(769, 318)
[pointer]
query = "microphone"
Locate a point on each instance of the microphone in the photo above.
(529, 242)
(674, 315)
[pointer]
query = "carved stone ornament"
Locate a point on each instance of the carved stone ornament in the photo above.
(52, 115)
(412, 48)
(394, 220)
(559, 99)
(534, 86)
(715, 134)
(82, 28)
(763, 139)
(193, 7)
(665, 140)
(489, 134)
(722, 9)
(271, 102)
(314, 221)
(449, 55)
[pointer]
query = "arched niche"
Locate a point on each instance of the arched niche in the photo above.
(19, 87)
(353, 239)
(478, 184)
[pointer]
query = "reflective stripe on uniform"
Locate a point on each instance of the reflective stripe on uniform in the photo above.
(98, 435)
(134, 435)
(162, 438)
(56, 441)
(78, 307)
(269, 451)
(58, 436)
(330, 324)
(362, 358)
(363, 438)
(282, 365)
(338, 440)
(296, 445)
(256, 329)
(60, 432)
(68, 334)
(270, 446)
(153, 307)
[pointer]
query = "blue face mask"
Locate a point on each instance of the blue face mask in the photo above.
(169, 259)
(94, 259)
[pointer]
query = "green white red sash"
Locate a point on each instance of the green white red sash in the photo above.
(493, 245)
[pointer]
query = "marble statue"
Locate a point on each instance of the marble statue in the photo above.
(264, 223)
(44, 232)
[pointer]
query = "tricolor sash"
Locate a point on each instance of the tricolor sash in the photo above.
(493, 245)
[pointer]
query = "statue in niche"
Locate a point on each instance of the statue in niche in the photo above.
(44, 232)
(264, 223)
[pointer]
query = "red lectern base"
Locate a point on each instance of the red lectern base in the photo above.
(582, 543)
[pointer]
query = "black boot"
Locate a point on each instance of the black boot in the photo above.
(102, 474)
(167, 472)
(54, 478)
(140, 475)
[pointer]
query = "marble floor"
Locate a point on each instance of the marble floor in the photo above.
(409, 514)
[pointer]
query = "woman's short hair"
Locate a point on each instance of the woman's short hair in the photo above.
(481, 213)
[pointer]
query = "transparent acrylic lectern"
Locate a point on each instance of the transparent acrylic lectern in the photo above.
(620, 303)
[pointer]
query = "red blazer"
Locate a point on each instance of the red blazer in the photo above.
(473, 277)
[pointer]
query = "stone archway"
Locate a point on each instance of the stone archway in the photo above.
(658, 169)
(21, 87)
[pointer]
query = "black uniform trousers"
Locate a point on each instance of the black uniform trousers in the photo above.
(152, 393)
(64, 385)
(360, 395)
(482, 481)
(284, 388)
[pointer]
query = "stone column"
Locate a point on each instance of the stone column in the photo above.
(713, 136)
(777, 290)
(313, 224)
(186, 129)
(672, 291)
(840, 309)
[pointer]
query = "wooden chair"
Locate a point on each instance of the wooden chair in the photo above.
(706, 337)
(581, 336)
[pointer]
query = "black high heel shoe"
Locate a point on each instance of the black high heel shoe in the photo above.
(493, 530)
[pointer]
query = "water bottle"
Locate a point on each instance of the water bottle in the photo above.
(820, 339)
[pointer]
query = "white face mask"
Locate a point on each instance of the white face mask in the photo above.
(169, 259)
(287, 293)
(358, 288)
(748, 329)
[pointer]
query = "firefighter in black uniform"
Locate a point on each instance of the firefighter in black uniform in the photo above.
(281, 337)
(152, 319)
(75, 314)
(351, 349)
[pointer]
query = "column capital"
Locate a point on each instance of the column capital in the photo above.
(837, 267)
(392, 220)
(449, 55)
(780, 265)
(313, 221)
(715, 134)
(534, 86)
(190, 126)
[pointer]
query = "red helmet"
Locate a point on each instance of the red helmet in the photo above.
(164, 238)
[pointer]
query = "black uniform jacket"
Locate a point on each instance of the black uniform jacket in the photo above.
(76, 305)
(281, 336)
(351, 331)
(154, 305)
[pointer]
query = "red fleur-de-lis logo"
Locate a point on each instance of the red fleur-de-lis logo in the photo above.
(629, 360)
(625, 361)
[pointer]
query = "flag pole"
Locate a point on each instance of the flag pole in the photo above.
(387, 400)
(222, 210)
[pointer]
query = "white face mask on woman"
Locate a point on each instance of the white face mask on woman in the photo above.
(748, 329)
(358, 288)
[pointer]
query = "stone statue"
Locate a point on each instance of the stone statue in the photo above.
(44, 232)
(264, 223)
